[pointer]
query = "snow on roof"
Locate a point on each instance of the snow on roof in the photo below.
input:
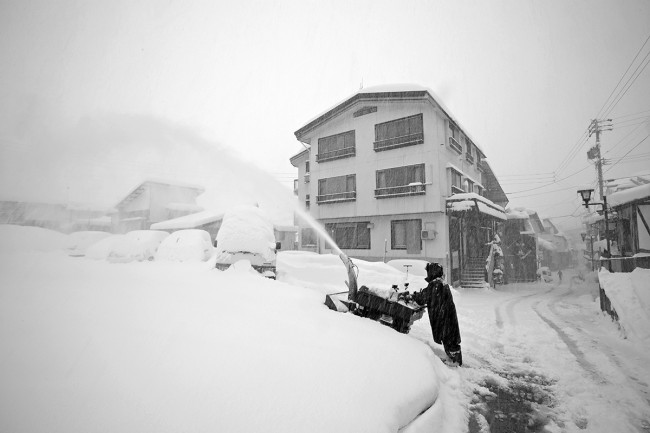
(191, 221)
(390, 90)
(629, 195)
(184, 207)
(514, 214)
(545, 244)
(467, 201)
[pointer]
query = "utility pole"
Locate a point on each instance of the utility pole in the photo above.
(596, 127)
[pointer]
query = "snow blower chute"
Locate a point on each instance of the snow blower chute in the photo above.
(391, 307)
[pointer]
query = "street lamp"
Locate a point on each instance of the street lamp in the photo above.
(585, 194)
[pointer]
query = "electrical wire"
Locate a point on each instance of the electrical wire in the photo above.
(598, 115)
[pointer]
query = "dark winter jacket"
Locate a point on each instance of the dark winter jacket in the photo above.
(442, 313)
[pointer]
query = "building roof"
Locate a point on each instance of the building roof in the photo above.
(493, 189)
(191, 221)
(469, 200)
(392, 92)
(147, 183)
(629, 195)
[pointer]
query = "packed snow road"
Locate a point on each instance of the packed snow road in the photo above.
(542, 357)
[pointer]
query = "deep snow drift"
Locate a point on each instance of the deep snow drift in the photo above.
(89, 345)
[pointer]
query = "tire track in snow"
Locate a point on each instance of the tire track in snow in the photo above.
(587, 366)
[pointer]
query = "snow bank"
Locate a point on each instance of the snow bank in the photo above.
(191, 245)
(23, 238)
(629, 294)
(168, 347)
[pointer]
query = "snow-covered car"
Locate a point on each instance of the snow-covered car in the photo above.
(78, 242)
(246, 233)
(100, 250)
(138, 245)
(190, 245)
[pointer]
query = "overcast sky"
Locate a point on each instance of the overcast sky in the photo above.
(523, 77)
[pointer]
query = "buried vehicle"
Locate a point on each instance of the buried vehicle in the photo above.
(392, 307)
(247, 234)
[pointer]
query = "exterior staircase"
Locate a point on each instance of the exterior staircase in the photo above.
(473, 275)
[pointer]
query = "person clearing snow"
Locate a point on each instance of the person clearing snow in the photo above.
(442, 312)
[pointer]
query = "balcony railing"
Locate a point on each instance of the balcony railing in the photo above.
(336, 154)
(336, 197)
(397, 191)
(395, 142)
(470, 158)
(454, 144)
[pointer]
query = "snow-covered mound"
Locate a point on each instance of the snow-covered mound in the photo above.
(25, 238)
(101, 249)
(137, 245)
(327, 274)
(191, 245)
(165, 347)
(78, 242)
(246, 229)
(629, 294)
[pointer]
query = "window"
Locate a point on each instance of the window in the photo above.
(406, 235)
(456, 182)
(478, 190)
(469, 185)
(469, 154)
(336, 146)
(306, 171)
(295, 186)
(399, 133)
(478, 160)
(399, 181)
(454, 137)
(308, 237)
(354, 235)
(337, 189)
(307, 201)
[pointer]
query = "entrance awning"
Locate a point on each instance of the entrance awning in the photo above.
(461, 203)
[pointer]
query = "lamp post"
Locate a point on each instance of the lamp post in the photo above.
(585, 194)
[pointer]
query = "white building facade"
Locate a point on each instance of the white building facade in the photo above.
(378, 170)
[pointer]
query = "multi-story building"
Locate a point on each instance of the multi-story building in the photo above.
(392, 175)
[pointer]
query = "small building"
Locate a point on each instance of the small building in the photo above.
(154, 201)
(632, 207)
(520, 245)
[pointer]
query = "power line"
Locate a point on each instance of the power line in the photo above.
(622, 76)
(637, 145)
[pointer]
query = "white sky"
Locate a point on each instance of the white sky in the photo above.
(524, 77)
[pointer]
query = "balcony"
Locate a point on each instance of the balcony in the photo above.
(403, 141)
(399, 191)
(470, 158)
(346, 152)
(454, 144)
(336, 197)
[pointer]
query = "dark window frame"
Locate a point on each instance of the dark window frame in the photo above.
(416, 187)
(355, 234)
(388, 135)
(350, 193)
(345, 151)
(453, 187)
(417, 235)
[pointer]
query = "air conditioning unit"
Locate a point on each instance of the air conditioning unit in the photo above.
(428, 234)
